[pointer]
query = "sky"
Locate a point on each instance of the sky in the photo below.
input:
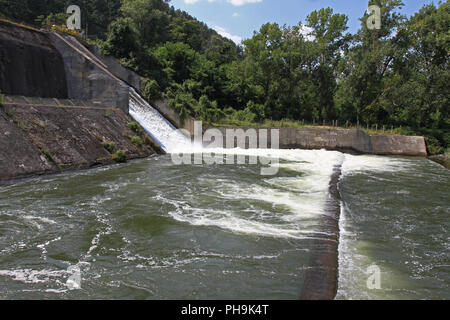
(237, 19)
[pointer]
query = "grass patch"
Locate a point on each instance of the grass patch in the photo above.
(137, 141)
(110, 146)
(22, 126)
(47, 154)
(120, 156)
(10, 112)
(38, 123)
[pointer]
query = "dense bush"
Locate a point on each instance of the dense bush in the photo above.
(120, 156)
(110, 146)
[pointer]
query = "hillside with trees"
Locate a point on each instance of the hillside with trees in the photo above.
(314, 72)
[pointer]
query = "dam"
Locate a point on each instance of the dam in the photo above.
(151, 229)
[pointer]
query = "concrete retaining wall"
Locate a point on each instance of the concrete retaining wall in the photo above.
(87, 80)
(346, 140)
(114, 66)
(29, 63)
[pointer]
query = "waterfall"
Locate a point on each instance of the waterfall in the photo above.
(158, 127)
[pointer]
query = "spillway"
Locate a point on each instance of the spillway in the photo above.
(158, 127)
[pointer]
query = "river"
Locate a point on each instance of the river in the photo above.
(150, 229)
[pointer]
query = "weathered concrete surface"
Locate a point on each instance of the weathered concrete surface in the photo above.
(321, 278)
(19, 157)
(43, 139)
(114, 66)
(29, 64)
(345, 140)
(399, 145)
(86, 80)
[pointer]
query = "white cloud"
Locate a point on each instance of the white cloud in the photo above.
(235, 15)
(305, 31)
(224, 33)
(236, 3)
(242, 2)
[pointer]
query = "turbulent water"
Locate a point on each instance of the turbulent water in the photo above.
(161, 130)
(151, 229)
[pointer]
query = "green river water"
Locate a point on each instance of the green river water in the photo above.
(150, 229)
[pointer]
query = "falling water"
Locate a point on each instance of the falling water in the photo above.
(158, 127)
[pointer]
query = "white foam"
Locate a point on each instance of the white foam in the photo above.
(298, 202)
(156, 125)
(365, 163)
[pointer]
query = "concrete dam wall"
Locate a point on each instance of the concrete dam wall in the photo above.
(61, 105)
(29, 64)
(346, 140)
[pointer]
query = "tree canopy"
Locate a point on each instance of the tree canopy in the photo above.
(314, 71)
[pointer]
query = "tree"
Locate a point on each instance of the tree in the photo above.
(367, 63)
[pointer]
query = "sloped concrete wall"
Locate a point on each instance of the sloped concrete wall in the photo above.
(114, 66)
(87, 81)
(29, 64)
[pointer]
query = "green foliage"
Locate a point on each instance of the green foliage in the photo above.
(433, 145)
(10, 112)
(121, 39)
(46, 153)
(151, 90)
(207, 110)
(52, 19)
(314, 71)
(120, 156)
(110, 146)
(182, 101)
(137, 141)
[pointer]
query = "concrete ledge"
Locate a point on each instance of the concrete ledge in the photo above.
(345, 140)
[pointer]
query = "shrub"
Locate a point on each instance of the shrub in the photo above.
(433, 145)
(10, 112)
(208, 111)
(137, 141)
(110, 146)
(257, 110)
(151, 90)
(244, 115)
(120, 156)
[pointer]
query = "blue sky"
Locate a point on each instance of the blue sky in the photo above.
(237, 19)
